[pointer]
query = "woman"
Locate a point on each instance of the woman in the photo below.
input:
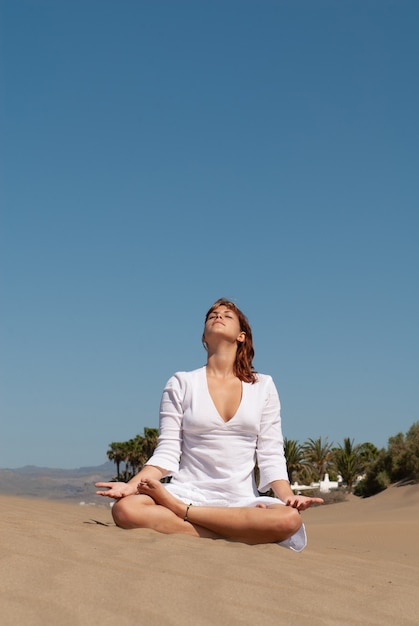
(215, 422)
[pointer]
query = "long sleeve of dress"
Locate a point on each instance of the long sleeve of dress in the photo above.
(270, 444)
(168, 451)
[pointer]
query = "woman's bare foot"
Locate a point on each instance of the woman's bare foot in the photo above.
(160, 495)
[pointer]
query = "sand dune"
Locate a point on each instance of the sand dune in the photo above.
(59, 568)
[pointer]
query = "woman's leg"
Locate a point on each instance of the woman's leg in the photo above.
(251, 525)
(141, 511)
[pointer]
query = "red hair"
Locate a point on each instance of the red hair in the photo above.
(243, 365)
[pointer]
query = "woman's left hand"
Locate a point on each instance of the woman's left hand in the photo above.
(301, 503)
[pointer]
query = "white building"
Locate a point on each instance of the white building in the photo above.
(324, 486)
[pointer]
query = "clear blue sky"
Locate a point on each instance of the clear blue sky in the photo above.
(159, 154)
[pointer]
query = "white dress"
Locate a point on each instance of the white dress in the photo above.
(211, 461)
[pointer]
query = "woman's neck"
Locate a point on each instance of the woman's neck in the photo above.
(221, 364)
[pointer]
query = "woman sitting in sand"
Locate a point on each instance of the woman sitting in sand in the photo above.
(214, 423)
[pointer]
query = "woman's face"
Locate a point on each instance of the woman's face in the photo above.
(223, 322)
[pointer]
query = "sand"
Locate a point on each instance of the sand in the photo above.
(59, 568)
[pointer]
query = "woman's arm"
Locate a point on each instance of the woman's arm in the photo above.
(118, 490)
(271, 458)
(270, 442)
(167, 453)
(282, 490)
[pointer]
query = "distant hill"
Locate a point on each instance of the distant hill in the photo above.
(54, 483)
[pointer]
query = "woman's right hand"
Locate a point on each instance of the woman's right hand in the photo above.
(117, 490)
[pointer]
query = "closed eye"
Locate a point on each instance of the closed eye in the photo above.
(226, 313)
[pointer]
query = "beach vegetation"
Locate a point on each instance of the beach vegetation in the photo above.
(374, 481)
(298, 467)
(404, 454)
(398, 463)
(318, 457)
(351, 460)
(130, 456)
(116, 453)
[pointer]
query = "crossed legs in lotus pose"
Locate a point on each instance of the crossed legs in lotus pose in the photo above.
(155, 507)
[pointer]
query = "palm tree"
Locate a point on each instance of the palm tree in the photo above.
(351, 460)
(116, 453)
(318, 456)
(134, 456)
(294, 455)
(150, 439)
(369, 452)
(134, 453)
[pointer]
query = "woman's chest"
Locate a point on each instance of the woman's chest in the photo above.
(203, 412)
(226, 395)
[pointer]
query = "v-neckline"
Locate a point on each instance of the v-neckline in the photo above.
(215, 406)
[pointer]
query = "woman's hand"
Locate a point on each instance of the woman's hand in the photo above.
(116, 490)
(282, 490)
(301, 503)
